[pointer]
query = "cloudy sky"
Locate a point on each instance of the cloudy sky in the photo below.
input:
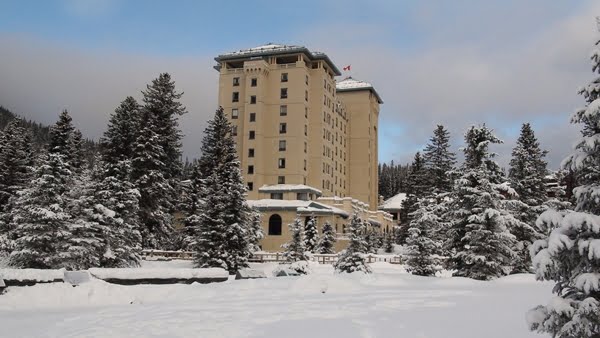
(455, 63)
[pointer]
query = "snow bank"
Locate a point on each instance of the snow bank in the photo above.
(14, 277)
(158, 273)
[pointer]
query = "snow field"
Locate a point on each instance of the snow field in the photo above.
(387, 303)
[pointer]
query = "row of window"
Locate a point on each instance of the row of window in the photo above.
(275, 224)
(254, 81)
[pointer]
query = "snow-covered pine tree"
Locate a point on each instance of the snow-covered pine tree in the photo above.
(117, 143)
(295, 249)
(351, 259)
(478, 240)
(570, 256)
(61, 134)
(327, 240)
(417, 187)
(225, 219)
(39, 221)
(256, 233)
(76, 144)
(192, 204)
(388, 243)
(439, 161)
(16, 161)
(311, 234)
(154, 188)
(161, 102)
(422, 248)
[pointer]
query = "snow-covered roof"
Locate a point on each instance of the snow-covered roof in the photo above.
(394, 202)
(289, 188)
(350, 84)
(296, 205)
(275, 49)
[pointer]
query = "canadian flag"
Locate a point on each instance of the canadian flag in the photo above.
(347, 67)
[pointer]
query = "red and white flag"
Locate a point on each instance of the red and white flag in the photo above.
(347, 67)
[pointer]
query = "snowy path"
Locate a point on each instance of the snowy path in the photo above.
(389, 303)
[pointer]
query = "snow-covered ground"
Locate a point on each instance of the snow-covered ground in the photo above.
(388, 303)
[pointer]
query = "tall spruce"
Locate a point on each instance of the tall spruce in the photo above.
(351, 259)
(224, 224)
(117, 143)
(439, 161)
(256, 233)
(311, 234)
(16, 161)
(422, 253)
(570, 255)
(327, 240)
(478, 239)
(295, 249)
(77, 151)
(417, 187)
(528, 168)
(61, 134)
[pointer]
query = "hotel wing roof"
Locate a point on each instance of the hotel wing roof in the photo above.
(277, 49)
(349, 84)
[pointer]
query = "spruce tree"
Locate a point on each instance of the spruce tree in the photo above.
(388, 243)
(327, 240)
(439, 161)
(16, 161)
(422, 248)
(224, 223)
(295, 249)
(351, 259)
(61, 134)
(479, 239)
(528, 168)
(117, 143)
(256, 233)
(76, 151)
(570, 255)
(39, 220)
(311, 234)
(417, 187)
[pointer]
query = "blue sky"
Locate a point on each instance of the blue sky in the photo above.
(452, 62)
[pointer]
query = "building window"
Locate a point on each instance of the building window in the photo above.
(250, 169)
(253, 99)
(253, 82)
(305, 147)
(284, 93)
(306, 79)
(302, 196)
(283, 128)
(251, 135)
(305, 112)
(235, 97)
(305, 130)
(236, 81)
(233, 130)
(250, 186)
(282, 145)
(281, 163)
(306, 95)
(304, 165)
(280, 179)
(275, 225)
(283, 110)
(252, 117)
(284, 77)
(235, 113)
(251, 152)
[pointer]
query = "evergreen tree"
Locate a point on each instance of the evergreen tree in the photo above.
(256, 233)
(161, 102)
(311, 234)
(295, 249)
(570, 255)
(528, 168)
(16, 161)
(351, 259)
(224, 224)
(478, 240)
(439, 161)
(388, 243)
(192, 204)
(154, 205)
(416, 189)
(61, 135)
(76, 151)
(118, 142)
(40, 223)
(422, 248)
(327, 240)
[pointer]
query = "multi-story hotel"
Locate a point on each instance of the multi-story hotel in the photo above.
(307, 144)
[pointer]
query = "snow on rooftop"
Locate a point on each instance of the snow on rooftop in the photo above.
(270, 47)
(288, 187)
(394, 202)
(299, 205)
(350, 83)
